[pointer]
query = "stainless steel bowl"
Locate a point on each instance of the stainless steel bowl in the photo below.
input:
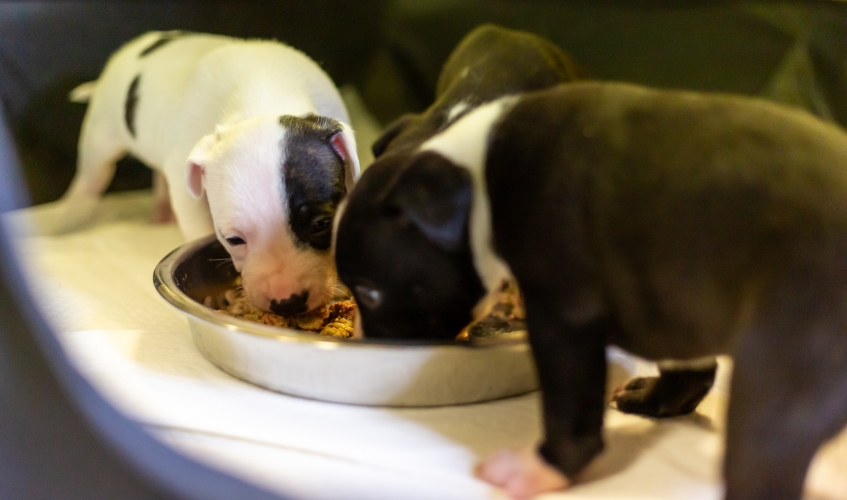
(366, 372)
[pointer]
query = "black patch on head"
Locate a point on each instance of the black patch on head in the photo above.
(131, 104)
(163, 39)
(314, 178)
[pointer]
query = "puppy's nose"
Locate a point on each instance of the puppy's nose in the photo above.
(295, 304)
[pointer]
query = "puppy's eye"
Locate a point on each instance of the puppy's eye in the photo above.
(321, 224)
(235, 241)
(368, 297)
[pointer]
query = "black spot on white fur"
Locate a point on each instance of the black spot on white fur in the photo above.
(164, 38)
(130, 105)
(314, 178)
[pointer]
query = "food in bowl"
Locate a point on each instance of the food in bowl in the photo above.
(505, 317)
(333, 320)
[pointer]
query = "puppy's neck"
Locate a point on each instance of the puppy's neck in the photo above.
(465, 143)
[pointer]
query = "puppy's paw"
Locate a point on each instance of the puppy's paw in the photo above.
(638, 396)
(649, 397)
(521, 473)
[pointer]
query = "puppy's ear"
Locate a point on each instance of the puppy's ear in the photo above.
(195, 180)
(344, 143)
(435, 195)
(390, 133)
(197, 160)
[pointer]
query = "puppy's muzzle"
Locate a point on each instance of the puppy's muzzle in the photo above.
(295, 304)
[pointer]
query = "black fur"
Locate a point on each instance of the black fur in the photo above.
(314, 178)
(164, 38)
(296, 304)
(382, 244)
(131, 104)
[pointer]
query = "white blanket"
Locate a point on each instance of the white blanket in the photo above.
(96, 288)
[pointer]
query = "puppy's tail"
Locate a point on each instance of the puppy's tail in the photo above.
(82, 93)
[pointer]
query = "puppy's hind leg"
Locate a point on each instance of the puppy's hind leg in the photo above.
(99, 150)
(788, 392)
(162, 210)
(679, 388)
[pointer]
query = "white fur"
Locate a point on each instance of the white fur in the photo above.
(213, 102)
(465, 143)
(522, 473)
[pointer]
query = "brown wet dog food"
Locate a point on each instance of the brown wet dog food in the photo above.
(333, 320)
(506, 317)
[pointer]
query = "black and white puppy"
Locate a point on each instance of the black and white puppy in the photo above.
(674, 225)
(249, 140)
(488, 63)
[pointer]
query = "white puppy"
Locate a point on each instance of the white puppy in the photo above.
(253, 140)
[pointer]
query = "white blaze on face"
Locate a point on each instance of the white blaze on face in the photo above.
(246, 193)
(465, 143)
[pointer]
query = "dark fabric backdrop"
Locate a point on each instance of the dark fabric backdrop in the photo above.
(392, 51)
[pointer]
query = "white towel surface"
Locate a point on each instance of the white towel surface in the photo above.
(96, 288)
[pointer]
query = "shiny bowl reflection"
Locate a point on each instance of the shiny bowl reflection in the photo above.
(366, 372)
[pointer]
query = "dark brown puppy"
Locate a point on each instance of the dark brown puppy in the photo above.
(674, 225)
(488, 63)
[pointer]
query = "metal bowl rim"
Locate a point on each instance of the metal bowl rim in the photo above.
(167, 288)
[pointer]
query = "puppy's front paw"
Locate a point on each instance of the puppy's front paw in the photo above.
(522, 473)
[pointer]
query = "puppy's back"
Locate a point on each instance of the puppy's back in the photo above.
(269, 68)
(683, 206)
(115, 100)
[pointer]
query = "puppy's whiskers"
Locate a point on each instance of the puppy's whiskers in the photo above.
(338, 292)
